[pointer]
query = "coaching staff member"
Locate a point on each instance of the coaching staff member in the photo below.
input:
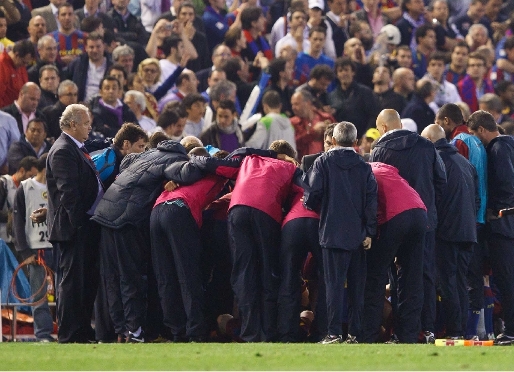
(74, 190)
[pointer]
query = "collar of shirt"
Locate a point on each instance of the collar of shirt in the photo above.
(118, 104)
(78, 143)
(86, 13)
(334, 17)
(342, 148)
(95, 67)
(55, 10)
(21, 112)
(124, 17)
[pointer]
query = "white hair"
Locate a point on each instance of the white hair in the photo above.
(65, 84)
(345, 133)
(72, 113)
(138, 97)
(43, 40)
(478, 26)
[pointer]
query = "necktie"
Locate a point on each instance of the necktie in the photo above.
(91, 162)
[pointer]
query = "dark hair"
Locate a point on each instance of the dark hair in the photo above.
(41, 162)
(437, 56)
(422, 31)
(272, 99)
(65, 5)
(232, 36)
(2, 14)
(508, 127)
(23, 48)
(129, 132)
(38, 120)
(283, 147)
(509, 43)
(329, 132)
(502, 86)
(322, 71)
(482, 119)
(94, 36)
(461, 44)
(425, 89)
(90, 23)
(476, 55)
(387, 67)
(186, 4)
(227, 104)
(343, 62)
(27, 163)
(199, 151)
(296, 10)
(405, 48)
(168, 43)
(109, 36)
(117, 67)
(221, 154)
(275, 67)
(48, 67)
(183, 76)
(248, 15)
(323, 30)
(191, 99)
(156, 138)
(452, 112)
(109, 78)
(231, 67)
(404, 5)
(167, 118)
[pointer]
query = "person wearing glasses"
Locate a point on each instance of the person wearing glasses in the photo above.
(474, 86)
(68, 94)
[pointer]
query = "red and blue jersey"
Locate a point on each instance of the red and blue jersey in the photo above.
(72, 44)
(452, 76)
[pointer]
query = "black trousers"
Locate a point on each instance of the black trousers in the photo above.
(428, 313)
(104, 326)
(342, 267)
(299, 236)
(452, 267)
(122, 251)
(476, 271)
(79, 276)
(402, 237)
(254, 239)
(501, 255)
(176, 250)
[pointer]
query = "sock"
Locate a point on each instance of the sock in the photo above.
(471, 328)
(488, 310)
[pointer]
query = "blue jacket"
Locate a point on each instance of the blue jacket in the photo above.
(419, 111)
(342, 187)
(477, 157)
(460, 200)
(500, 183)
(418, 162)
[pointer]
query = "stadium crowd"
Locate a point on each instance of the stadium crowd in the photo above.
(150, 155)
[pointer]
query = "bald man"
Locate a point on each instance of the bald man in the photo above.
(419, 163)
(456, 231)
(403, 82)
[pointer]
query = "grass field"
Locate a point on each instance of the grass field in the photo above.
(33, 356)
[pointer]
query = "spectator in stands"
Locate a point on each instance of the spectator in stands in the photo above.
(446, 35)
(198, 40)
(47, 55)
(456, 70)
(173, 48)
(316, 19)
(425, 40)
(215, 76)
(418, 108)
(353, 101)
(474, 15)
(282, 25)
(320, 78)
(339, 20)
(387, 97)
(13, 70)
(505, 90)
(70, 41)
(108, 112)
(88, 69)
(498, 74)
(9, 133)
(235, 40)
(127, 25)
(119, 73)
(309, 123)
(314, 56)
(50, 14)
(172, 124)
(412, 18)
(172, 14)
(224, 90)
(32, 143)
(281, 76)
(194, 104)
(124, 55)
(446, 92)
(492, 104)
(225, 133)
(92, 8)
(403, 82)
(187, 83)
(474, 85)
(220, 54)
(36, 29)
(404, 56)
(372, 14)
(295, 36)
(253, 23)
(215, 22)
(478, 36)
(136, 101)
(67, 93)
(24, 108)
(49, 82)
(354, 50)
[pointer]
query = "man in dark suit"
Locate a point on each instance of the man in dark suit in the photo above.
(67, 92)
(74, 190)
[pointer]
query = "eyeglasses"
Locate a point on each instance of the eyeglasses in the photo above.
(150, 71)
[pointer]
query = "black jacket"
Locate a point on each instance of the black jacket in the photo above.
(106, 122)
(72, 189)
(339, 35)
(357, 104)
(391, 100)
(419, 111)
(456, 211)
(19, 150)
(33, 71)
(131, 30)
(418, 162)
(52, 115)
(202, 77)
(308, 160)
(77, 72)
(107, 21)
(343, 188)
(203, 61)
(500, 183)
(406, 30)
(129, 200)
(13, 111)
(47, 99)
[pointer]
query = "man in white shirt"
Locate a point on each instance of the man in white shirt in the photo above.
(282, 25)
(173, 48)
(295, 36)
(446, 92)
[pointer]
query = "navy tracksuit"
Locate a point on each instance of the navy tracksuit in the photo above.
(500, 185)
(419, 163)
(348, 215)
(456, 235)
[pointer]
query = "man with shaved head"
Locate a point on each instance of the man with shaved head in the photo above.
(419, 163)
(456, 233)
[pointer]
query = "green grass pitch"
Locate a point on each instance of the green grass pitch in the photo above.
(36, 356)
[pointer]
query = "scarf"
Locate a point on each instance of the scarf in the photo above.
(118, 111)
(415, 24)
(233, 128)
(250, 42)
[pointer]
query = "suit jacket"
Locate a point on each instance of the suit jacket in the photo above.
(308, 160)
(77, 72)
(52, 115)
(72, 189)
(13, 111)
(46, 13)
